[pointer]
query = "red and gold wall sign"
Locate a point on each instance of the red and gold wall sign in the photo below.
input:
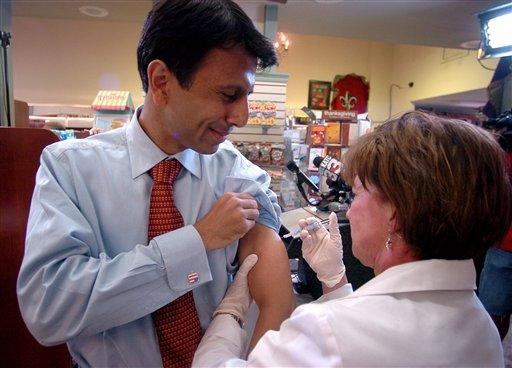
(351, 93)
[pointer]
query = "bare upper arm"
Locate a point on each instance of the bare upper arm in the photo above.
(269, 280)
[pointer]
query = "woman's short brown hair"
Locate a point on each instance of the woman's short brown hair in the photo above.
(447, 179)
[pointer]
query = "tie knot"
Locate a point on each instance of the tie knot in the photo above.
(166, 171)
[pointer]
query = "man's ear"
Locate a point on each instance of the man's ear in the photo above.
(159, 78)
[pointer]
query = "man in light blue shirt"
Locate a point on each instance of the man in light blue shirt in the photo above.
(89, 277)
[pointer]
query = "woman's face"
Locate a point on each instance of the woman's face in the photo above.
(370, 221)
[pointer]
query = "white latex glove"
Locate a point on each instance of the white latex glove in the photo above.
(237, 298)
(322, 249)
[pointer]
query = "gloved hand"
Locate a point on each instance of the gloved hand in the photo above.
(322, 249)
(237, 298)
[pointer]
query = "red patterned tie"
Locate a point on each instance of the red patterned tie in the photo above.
(177, 324)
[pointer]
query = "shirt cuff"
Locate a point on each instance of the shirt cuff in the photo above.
(185, 258)
(223, 340)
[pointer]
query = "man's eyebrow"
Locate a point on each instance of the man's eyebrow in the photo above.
(237, 88)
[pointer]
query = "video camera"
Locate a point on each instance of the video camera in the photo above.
(502, 125)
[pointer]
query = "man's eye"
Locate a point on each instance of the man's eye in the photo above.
(229, 96)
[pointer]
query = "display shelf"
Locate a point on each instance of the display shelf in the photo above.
(66, 122)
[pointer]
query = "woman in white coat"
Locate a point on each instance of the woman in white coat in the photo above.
(430, 194)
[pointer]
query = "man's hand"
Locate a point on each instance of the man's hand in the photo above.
(322, 249)
(231, 218)
(237, 298)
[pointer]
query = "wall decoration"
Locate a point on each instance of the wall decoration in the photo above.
(319, 95)
(352, 92)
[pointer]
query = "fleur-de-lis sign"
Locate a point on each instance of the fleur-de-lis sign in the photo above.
(352, 92)
(348, 101)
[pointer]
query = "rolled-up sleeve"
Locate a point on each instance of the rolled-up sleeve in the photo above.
(249, 178)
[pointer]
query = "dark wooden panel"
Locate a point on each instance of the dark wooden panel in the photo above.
(20, 149)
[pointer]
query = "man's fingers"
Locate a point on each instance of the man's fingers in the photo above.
(251, 214)
(241, 195)
(248, 203)
(249, 224)
(247, 264)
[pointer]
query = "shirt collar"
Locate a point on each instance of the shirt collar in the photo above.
(428, 275)
(144, 154)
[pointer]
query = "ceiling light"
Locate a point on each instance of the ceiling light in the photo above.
(282, 42)
(496, 31)
(93, 11)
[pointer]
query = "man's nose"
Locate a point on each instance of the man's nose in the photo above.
(238, 113)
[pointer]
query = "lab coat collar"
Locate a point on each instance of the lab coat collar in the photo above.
(428, 275)
(144, 154)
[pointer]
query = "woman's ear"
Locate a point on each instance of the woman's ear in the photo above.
(392, 219)
(159, 77)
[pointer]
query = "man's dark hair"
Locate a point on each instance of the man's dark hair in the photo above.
(182, 32)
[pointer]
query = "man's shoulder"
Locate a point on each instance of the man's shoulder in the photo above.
(113, 139)
(227, 148)
(226, 154)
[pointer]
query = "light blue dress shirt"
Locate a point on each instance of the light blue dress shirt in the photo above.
(89, 278)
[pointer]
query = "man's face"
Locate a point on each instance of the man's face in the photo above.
(202, 116)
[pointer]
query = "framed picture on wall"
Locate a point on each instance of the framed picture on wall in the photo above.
(319, 95)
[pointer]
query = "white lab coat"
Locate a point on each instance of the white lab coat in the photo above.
(418, 314)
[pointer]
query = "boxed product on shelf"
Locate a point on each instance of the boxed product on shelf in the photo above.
(253, 152)
(300, 153)
(316, 134)
(113, 109)
(265, 149)
(275, 174)
(333, 151)
(262, 113)
(289, 197)
(277, 154)
(314, 152)
(111, 121)
(332, 132)
(345, 133)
